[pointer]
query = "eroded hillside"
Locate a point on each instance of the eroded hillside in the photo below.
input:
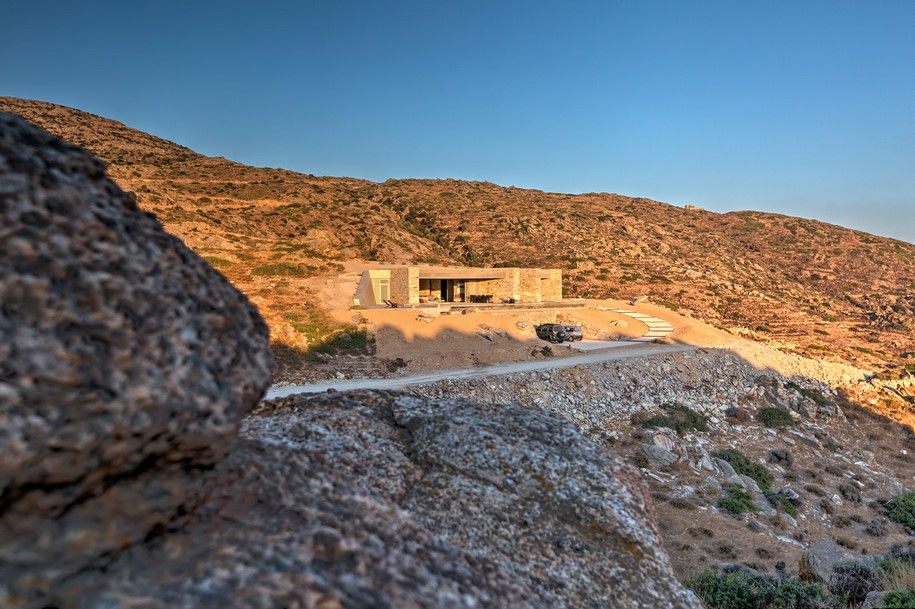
(805, 286)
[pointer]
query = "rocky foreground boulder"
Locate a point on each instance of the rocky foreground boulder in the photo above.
(380, 499)
(126, 364)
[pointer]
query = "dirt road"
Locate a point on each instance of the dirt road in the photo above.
(622, 351)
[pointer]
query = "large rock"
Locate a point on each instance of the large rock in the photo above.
(125, 365)
(818, 560)
(873, 600)
(388, 500)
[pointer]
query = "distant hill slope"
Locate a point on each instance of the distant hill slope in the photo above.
(815, 288)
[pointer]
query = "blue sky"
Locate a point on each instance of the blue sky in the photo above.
(803, 108)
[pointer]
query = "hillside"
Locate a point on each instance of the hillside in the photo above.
(804, 286)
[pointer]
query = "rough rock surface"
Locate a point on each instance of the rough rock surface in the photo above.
(390, 500)
(873, 600)
(820, 558)
(126, 363)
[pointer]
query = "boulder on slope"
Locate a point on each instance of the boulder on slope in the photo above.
(819, 559)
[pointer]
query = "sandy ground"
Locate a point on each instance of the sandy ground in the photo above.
(765, 357)
(428, 340)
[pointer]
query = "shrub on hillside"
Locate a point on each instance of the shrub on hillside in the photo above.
(811, 394)
(349, 338)
(899, 599)
(747, 590)
(853, 579)
(679, 418)
(736, 501)
(742, 464)
(902, 509)
(778, 500)
(282, 269)
(217, 262)
(899, 572)
(775, 417)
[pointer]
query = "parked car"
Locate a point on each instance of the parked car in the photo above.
(558, 333)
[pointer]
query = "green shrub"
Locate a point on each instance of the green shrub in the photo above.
(788, 507)
(348, 338)
(812, 394)
(899, 572)
(279, 269)
(219, 263)
(736, 501)
(744, 590)
(775, 417)
(899, 599)
(667, 304)
(679, 418)
(743, 465)
(902, 509)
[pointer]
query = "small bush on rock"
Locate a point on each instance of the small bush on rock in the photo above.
(679, 418)
(902, 509)
(736, 501)
(855, 578)
(743, 465)
(775, 417)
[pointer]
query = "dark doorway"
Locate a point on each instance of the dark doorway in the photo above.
(443, 289)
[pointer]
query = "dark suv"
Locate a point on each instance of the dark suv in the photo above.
(558, 333)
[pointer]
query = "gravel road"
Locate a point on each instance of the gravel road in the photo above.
(623, 350)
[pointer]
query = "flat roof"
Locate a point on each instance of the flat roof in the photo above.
(459, 274)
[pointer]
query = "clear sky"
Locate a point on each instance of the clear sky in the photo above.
(803, 108)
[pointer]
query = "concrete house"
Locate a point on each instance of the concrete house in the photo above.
(408, 285)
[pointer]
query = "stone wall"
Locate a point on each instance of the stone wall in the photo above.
(551, 284)
(530, 285)
(405, 285)
(501, 289)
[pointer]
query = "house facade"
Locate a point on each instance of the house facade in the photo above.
(408, 285)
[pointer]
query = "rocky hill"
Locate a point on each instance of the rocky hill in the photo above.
(804, 286)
